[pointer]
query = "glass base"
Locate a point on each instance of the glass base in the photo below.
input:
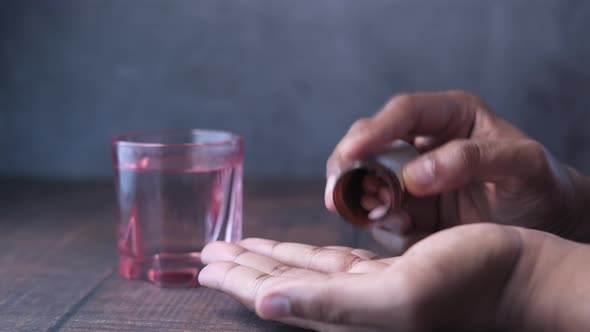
(167, 270)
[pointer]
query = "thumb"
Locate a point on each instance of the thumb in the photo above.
(460, 162)
(340, 299)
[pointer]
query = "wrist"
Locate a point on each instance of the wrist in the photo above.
(548, 290)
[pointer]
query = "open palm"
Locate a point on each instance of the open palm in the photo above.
(453, 278)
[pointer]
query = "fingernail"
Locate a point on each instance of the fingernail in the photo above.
(421, 172)
(275, 306)
(330, 183)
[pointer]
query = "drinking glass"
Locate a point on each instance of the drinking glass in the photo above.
(177, 191)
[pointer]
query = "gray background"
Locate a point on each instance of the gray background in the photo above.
(291, 76)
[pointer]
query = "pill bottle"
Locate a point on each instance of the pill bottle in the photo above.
(386, 166)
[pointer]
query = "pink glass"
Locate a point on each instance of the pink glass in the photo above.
(177, 191)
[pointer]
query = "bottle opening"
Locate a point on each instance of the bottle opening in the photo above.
(349, 192)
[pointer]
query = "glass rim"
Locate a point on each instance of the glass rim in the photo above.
(126, 139)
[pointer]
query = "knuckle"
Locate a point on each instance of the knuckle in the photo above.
(280, 270)
(462, 94)
(469, 153)
(234, 268)
(259, 283)
(312, 256)
(360, 125)
(401, 100)
(354, 261)
(403, 104)
(472, 102)
(467, 97)
(238, 254)
(538, 156)
(536, 150)
(273, 247)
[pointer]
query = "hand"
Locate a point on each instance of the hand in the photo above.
(481, 276)
(475, 167)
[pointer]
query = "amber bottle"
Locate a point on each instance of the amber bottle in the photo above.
(385, 166)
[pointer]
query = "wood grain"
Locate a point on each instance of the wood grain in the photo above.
(53, 250)
(58, 257)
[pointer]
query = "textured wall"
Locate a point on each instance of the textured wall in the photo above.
(289, 75)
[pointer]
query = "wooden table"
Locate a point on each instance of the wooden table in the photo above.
(58, 259)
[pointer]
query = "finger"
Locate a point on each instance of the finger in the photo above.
(460, 162)
(230, 252)
(389, 260)
(240, 282)
(366, 266)
(308, 257)
(427, 143)
(396, 243)
(244, 285)
(342, 299)
(445, 115)
(362, 253)
(329, 192)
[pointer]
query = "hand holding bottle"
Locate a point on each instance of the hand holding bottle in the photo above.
(474, 167)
